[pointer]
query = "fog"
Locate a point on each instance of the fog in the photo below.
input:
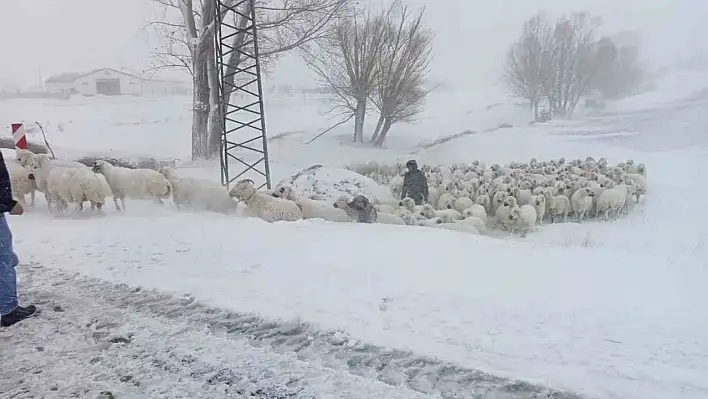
(40, 38)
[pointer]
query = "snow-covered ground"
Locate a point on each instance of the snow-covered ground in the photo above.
(605, 309)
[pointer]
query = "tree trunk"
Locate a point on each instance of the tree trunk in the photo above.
(384, 131)
(200, 117)
(359, 116)
(377, 131)
(536, 116)
(215, 117)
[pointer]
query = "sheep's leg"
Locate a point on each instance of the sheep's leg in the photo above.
(99, 208)
(122, 202)
(115, 201)
(32, 198)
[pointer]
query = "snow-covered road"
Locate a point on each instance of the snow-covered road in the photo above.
(99, 339)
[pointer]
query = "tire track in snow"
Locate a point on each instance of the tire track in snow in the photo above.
(330, 349)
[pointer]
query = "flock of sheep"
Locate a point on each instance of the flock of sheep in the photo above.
(517, 197)
(471, 198)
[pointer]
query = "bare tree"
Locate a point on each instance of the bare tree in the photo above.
(529, 63)
(571, 59)
(346, 64)
(283, 25)
(402, 68)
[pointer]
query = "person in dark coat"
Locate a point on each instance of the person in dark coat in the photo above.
(10, 311)
(415, 185)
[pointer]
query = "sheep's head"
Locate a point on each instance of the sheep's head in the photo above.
(540, 200)
(407, 203)
(341, 202)
(447, 202)
(243, 190)
(99, 166)
(166, 171)
(589, 192)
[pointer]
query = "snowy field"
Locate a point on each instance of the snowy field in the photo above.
(602, 309)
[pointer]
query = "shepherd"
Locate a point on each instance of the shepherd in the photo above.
(415, 185)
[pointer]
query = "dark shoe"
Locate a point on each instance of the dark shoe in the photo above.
(17, 315)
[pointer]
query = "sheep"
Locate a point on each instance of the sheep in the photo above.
(539, 202)
(525, 218)
(134, 183)
(541, 184)
(387, 218)
(411, 219)
(612, 200)
(21, 183)
(582, 202)
(478, 223)
(85, 185)
(312, 209)
(642, 169)
(408, 204)
(446, 201)
(503, 212)
(198, 193)
(56, 180)
(558, 205)
(446, 214)
(476, 211)
(523, 197)
(263, 205)
(639, 180)
(462, 203)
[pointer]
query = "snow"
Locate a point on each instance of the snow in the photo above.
(328, 184)
(605, 309)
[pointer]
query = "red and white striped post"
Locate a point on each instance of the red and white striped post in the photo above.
(18, 133)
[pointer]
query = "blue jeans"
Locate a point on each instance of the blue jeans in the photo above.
(8, 277)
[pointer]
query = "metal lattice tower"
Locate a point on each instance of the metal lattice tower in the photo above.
(243, 128)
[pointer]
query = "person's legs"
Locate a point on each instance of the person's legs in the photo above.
(8, 277)
(10, 311)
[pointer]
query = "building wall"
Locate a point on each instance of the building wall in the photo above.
(86, 85)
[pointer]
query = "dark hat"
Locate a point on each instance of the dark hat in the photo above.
(412, 164)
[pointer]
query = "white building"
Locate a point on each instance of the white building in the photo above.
(111, 82)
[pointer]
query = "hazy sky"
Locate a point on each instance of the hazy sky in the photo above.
(48, 37)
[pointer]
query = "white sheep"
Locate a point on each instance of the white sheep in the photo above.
(612, 200)
(446, 214)
(462, 203)
(21, 183)
(133, 183)
(558, 205)
(264, 205)
(522, 196)
(85, 185)
(387, 218)
(476, 211)
(312, 209)
(478, 223)
(446, 201)
(539, 202)
(408, 204)
(582, 202)
(56, 180)
(525, 219)
(198, 193)
(503, 212)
